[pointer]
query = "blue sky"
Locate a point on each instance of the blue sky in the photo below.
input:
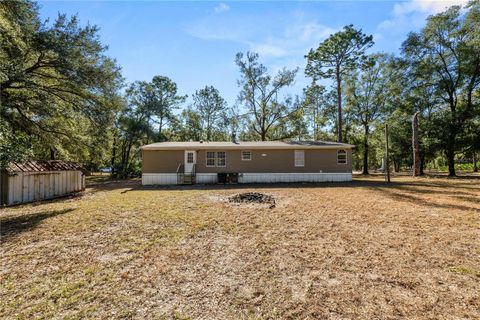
(194, 43)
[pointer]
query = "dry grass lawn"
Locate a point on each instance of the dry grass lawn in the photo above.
(360, 250)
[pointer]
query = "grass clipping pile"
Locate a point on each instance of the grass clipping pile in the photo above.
(253, 197)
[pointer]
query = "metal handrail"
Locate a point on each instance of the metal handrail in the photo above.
(179, 167)
(193, 174)
(181, 174)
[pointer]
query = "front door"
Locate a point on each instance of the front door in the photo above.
(190, 160)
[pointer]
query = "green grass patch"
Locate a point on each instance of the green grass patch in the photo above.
(465, 270)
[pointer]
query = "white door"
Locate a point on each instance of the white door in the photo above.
(190, 160)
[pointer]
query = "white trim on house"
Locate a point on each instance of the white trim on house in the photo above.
(206, 178)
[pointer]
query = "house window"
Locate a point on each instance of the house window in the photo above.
(246, 155)
(341, 157)
(221, 159)
(216, 159)
(210, 159)
(299, 158)
(189, 157)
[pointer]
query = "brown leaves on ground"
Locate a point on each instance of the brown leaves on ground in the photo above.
(338, 251)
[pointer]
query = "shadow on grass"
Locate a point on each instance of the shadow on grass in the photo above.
(405, 191)
(474, 199)
(252, 186)
(10, 227)
(134, 186)
(105, 183)
(415, 200)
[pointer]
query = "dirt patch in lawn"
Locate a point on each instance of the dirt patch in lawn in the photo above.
(360, 250)
(253, 197)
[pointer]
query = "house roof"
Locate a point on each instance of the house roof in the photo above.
(43, 165)
(255, 145)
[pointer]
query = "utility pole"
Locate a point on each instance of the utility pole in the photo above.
(387, 164)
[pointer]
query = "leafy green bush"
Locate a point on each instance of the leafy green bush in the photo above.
(459, 166)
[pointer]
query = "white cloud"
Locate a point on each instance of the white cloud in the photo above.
(425, 6)
(278, 47)
(414, 12)
(221, 7)
(268, 49)
(308, 32)
(294, 39)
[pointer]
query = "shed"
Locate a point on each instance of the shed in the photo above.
(39, 180)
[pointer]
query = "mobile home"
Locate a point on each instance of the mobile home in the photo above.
(246, 162)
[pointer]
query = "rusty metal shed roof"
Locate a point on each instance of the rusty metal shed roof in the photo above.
(43, 165)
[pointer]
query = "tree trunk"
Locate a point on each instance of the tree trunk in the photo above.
(264, 135)
(122, 161)
(451, 156)
(339, 101)
(127, 159)
(263, 129)
(52, 154)
(112, 161)
(452, 138)
(422, 164)
(415, 146)
(160, 129)
(365, 150)
(475, 167)
(451, 162)
(209, 132)
(397, 164)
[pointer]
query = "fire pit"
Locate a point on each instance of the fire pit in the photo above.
(253, 197)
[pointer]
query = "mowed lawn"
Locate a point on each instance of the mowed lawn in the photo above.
(360, 250)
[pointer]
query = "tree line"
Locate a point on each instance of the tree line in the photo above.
(62, 97)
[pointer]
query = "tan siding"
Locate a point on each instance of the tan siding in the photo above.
(275, 161)
(161, 161)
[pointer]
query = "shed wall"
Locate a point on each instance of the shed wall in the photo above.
(33, 186)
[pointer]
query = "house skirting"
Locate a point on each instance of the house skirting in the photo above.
(205, 178)
(293, 177)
